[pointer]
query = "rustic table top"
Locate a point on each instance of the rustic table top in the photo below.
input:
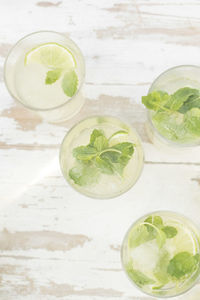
(54, 242)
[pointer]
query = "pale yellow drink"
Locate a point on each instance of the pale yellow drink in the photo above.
(102, 184)
(161, 254)
(26, 70)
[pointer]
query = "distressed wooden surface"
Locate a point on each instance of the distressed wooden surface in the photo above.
(55, 243)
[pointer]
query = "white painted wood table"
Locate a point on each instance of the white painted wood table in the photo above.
(55, 243)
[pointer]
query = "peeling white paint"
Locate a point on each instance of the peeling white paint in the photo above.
(55, 243)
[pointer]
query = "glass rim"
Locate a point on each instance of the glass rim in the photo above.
(94, 196)
(168, 141)
(126, 235)
(13, 48)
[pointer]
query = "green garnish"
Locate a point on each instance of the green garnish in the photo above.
(99, 157)
(59, 61)
(52, 76)
(138, 277)
(154, 225)
(176, 116)
(70, 83)
(183, 264)
(152, 228)
(170, 231)
(155, 220)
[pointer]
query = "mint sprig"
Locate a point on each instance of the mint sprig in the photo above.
(100, 157)
(176, 116)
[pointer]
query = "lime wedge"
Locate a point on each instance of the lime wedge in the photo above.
(52, 55)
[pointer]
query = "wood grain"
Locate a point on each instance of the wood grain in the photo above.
(54, 242)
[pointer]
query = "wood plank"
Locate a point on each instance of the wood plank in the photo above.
(54, 242)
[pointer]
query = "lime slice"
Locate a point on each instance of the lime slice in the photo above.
(118, 133)
(183, 241)
(51, 55)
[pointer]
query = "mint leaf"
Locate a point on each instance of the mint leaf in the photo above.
(84, 175)
(176, 116)
(95, 133)
(70, 83)
(192, 102)
(179, 97)
(84, 152)
(192, 121)
(170, 231)
(160, 271)
(154, 220)
(183, 263)
(119, 155)
(113, 156)
(150, 221)
(104, 165)
(138, 277)
(52, 76)
(126, 148)
(158, 230)
(101, 143)
(157, 221)
(155, 100)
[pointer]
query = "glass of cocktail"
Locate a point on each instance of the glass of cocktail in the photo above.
(101, 157)
(45, 71)
(173, 104)
(161, 254)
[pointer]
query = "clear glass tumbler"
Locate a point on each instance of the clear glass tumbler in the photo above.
(26, 67)
(161, 254)
(101, 157)
(170, 127)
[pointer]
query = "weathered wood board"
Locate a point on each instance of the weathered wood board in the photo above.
(55, 243)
